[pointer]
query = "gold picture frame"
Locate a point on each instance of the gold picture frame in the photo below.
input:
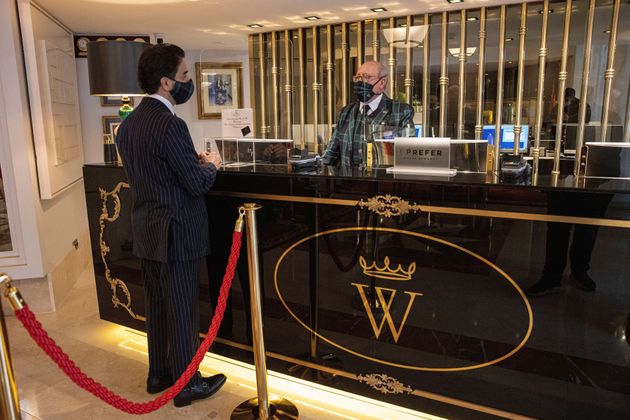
(114, 101)
(109, 123)
(219, 86)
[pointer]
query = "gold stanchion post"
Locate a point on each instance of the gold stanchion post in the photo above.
(261, 407)
(9, 402)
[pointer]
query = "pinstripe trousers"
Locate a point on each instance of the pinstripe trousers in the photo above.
(171, 292)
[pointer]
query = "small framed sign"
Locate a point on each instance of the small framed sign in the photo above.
(422, 156)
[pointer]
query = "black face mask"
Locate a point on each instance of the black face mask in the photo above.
(363, 91)
(182, 91)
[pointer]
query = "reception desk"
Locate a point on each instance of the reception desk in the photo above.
(408, 289)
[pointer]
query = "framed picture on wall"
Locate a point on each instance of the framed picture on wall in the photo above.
(219, 86)
(114, 101)
(110, 122)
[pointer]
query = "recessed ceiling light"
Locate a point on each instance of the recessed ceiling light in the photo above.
(472, 18)
(255, 25)
(540, 12)
(509, 39)
(455, 1)
(403, 25)
(311, 17)
(379, 9)
(607, 31)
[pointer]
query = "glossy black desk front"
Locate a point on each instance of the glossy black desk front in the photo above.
(409, 290)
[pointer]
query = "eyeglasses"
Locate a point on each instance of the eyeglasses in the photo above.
(366, 78)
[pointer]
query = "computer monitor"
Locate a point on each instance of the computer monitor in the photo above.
(507, 136)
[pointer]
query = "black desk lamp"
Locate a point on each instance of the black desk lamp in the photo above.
(113, 70)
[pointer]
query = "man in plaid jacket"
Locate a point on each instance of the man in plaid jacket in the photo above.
(372, 115)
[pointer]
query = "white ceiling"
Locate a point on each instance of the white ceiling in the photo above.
(222, 24)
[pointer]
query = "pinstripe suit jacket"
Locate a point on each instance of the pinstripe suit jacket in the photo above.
(344, 143)
(168, 184)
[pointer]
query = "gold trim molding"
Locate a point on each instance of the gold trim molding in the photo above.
(115, 284)
(533, 217)
(388, 205)
(384, 383)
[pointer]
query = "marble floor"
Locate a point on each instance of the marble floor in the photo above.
(116, 357)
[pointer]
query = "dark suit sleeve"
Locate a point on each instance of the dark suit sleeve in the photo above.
(181, 156)
(406, 116)
(332, 152)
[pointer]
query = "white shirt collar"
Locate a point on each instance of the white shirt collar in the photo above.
(165, 101)
(373, 104)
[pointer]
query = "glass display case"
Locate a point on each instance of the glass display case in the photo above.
(236, 152)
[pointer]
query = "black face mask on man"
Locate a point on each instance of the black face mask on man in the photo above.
(363, 91)
(182, 91)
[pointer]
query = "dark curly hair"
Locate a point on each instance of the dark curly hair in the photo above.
(157, 61)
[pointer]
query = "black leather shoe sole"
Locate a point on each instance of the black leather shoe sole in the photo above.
(206, 389)
(156, 385)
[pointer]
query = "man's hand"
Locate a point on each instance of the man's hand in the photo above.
(210, 157)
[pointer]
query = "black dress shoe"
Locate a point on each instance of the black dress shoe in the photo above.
(208, 387)
(583, 281)
(157, 384)
(543, 287)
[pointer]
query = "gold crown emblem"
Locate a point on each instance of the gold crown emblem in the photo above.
(386, 272)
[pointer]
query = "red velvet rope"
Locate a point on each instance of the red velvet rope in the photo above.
(62, 360)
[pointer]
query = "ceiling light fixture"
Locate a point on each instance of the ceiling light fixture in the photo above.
(311, 17)
(472, 18)
(509, 39)
(255, 25)
(379, 9)
(469, 51)
(540, 12)
(405, 37)
(607, 31)
(455, 1)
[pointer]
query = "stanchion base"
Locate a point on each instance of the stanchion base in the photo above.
(279, 409)
(313, 374)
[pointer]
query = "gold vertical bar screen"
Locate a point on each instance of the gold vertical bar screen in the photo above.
(521, 78)
(462, 75)
(316, 89)
(288, 82)
(345, 49)
(609, 74)
(425, 79)
(542, 61)
(376, 43)
(562, 82)
(481, 74)
(252, 84)
(443, 75)
(499, 102)
(264, 129)
(275, 77)
(391, 62)
(579, 141)
(302, 77)
(360, 43)
(408, 78)
(626, 126)
(330, 68)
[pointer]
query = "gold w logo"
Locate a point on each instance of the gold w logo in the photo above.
(386, 304)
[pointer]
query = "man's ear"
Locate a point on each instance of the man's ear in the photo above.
(165, 83)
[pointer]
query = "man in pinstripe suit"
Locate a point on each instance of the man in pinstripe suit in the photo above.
(359, 120)
(168, 182)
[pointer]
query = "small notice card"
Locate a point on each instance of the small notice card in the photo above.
(237, 123)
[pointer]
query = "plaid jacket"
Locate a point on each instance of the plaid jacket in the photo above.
(345, 146)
